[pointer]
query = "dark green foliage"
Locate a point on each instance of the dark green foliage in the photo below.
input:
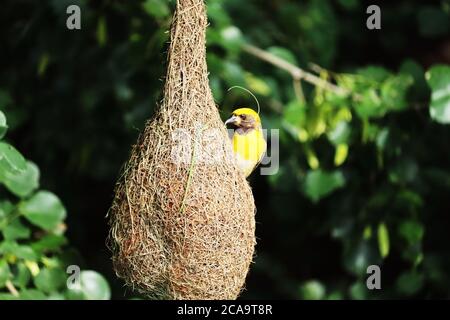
(364, 176)
(32, 239)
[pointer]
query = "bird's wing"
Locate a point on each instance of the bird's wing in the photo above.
(262, 145)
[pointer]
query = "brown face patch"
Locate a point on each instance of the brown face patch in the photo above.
(247, 122)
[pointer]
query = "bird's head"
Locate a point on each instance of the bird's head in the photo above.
(244, 118)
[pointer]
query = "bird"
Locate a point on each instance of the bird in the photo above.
(249, 145)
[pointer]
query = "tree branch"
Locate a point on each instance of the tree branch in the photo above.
(296, 72)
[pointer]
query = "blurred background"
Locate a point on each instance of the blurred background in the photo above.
(364, 176)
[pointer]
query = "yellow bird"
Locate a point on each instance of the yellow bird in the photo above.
(248, 140)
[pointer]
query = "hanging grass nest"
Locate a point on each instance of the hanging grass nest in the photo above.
(183, 216)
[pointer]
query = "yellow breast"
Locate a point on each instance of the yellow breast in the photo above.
(249, 149)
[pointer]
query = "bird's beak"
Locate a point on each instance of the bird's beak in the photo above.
(233, 120)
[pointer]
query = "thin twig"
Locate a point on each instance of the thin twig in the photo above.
(296, 72)
(298, 90)
(10, 286)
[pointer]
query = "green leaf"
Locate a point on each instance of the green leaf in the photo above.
(419, 91)
(412, 231)
(6, 208)
(295, 113)
(374, 73)
(312, 290)
(217, 14)
(358, 291)
(394, 90)
(340, 134)
(382, 138)
(16, 230)
(409, 283)
(22, 275)
(438, 78)
(383, 240)
(319, 184)
(257, 85)
(340, 154)
(156, 8)
(216, 87)
(55, 296)
(25, 252)
(11, 159)
(358, 256)
(7, 296)
(32, 294)
(231, 38)
(48, 243)
(233, 74)
(44, 209)
(43, 64)
(93, 286)
(50, 280)
(5, 273)
(21, 183)
(3, 125)
(20, 251)
(102, 32)
(371, 105)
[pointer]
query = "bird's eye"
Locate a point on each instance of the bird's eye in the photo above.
(243, 116)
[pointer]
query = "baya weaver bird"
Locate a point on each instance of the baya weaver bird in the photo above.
(248, 140)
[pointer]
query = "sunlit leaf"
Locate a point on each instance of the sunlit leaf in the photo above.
(340, 154)
(367, 233)
(3, 125)
(33, 267)
(340, 134)
(43, 209)
(11, 159)
(49, 280)
(312, 290)
(21, 183)
(93, 286)
(232, 38)
(438, 78)
(383, 240)
(256, 85)
(312, 159)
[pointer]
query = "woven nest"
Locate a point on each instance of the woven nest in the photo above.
(182, 219)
